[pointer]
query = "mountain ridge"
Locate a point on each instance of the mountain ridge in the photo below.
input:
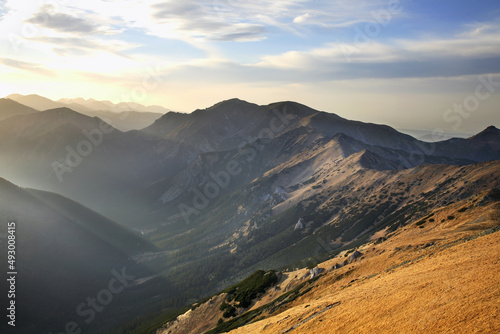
(121, 115)
(10, 108)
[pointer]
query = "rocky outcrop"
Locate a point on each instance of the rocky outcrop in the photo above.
(300, 224)
(354, 256)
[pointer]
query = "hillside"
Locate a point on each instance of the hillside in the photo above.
(438, 274)
(9, 108)
(66, 253)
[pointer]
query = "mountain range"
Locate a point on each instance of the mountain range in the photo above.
(202, 200)
(124, 116)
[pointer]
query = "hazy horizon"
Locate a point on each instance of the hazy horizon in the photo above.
(428, 135)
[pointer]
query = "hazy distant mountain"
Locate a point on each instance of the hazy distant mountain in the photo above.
(60, 150)
(66, 253)
(35, 101)
(115, 107)
(483, 146)
(123, 116)
(9, 108)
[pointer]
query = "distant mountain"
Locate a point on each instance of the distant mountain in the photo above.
(230, 123)
(125, 120)
(483, 146)
(65, 254)
(9, 108)
(35, 101)
(60, 150)
(123, 116)
(115, 107)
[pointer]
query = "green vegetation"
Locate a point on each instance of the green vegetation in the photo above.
(249, 288)
(270, 308)
(421, 222)
(230, 312)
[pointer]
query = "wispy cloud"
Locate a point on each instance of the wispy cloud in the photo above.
(211, 23)
(468, 52)
(26, 66)
(61, 22)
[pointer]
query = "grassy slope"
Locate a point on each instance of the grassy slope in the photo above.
(452, 286)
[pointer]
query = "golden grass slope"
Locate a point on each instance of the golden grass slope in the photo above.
(403, 285)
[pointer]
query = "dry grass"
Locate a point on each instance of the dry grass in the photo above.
(425, 278)
(401, 287)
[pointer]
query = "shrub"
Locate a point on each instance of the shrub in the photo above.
(230, 312)
(422, 222)
(248, 289)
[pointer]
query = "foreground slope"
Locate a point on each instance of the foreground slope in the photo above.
(438, 274)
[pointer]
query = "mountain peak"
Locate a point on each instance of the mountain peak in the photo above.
(228, 105)
(491, 128)
(488, 134)
(295, 108)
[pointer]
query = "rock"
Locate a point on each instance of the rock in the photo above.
(315, 272)
(355, 255)
(280, 193)
(300, 224)
(337, 266)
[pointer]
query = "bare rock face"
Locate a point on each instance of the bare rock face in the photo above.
(300, 224)
(315, 272)
(354, 256)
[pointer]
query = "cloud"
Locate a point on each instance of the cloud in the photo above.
(302, 18)
(251, 21)
(26, 66)
(77, 45)
(204, 20)
(46, 17)
(467, 53)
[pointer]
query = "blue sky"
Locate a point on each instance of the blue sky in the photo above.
(403, 63)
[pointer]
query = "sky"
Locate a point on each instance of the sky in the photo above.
(429, 65)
